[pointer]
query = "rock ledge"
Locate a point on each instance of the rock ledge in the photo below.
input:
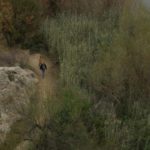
(16, 87)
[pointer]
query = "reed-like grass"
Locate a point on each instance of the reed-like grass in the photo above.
(110, 58)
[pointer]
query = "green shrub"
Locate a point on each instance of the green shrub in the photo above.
(76, 40)
(121, 74)
(20, 20)
(124, 68)
(72, 124)
(36, 43)
(109, 58)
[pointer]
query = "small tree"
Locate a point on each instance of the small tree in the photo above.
(20, 19)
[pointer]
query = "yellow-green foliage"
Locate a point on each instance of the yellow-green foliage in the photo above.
(125, 66)
(122, 74)
(76, 40)
(109, 57)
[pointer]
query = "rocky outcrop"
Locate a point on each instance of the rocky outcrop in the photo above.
(16, 87)
(25, 145)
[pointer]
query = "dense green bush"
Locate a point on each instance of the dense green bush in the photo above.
(72, 125)
(109, 58)
(124, 68)
(20, 20)
(76, 41)
(122, 75)
(26, 18)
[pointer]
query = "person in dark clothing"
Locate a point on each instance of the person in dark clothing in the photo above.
(43, 68)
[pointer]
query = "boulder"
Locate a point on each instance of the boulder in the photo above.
(16, 87)
(25, 145)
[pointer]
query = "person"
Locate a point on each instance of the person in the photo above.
(43, 67)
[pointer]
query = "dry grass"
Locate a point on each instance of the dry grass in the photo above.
(13, 56)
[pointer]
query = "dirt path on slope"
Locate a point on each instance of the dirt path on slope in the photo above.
(46, 86)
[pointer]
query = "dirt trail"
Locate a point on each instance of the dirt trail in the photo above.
(46, 87)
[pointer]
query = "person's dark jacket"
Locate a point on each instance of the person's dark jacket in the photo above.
(43, 67)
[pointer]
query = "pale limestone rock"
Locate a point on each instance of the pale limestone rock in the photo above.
(16, 87)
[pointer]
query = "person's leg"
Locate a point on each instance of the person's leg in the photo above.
(43, 74)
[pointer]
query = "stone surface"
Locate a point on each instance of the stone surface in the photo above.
(16, 87)
(25, 145)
